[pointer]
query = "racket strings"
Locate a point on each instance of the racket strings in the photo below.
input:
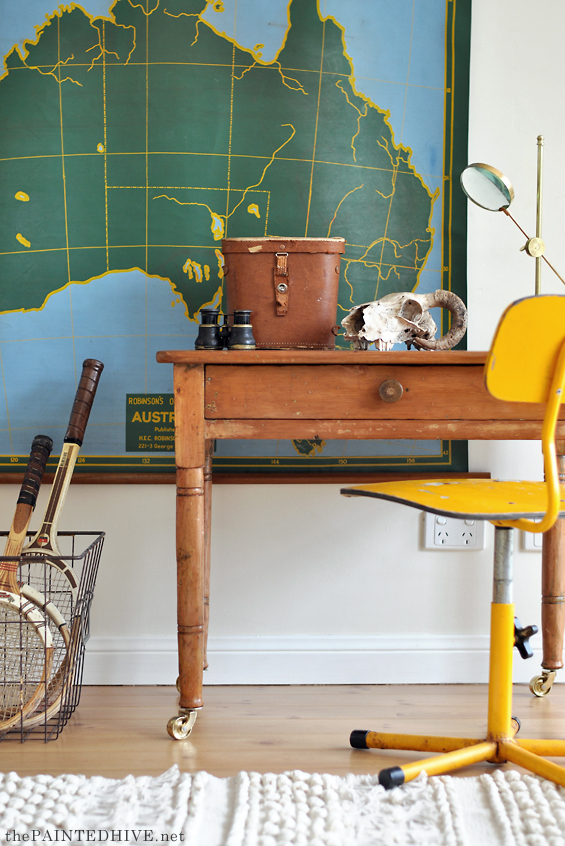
(54, 580)
(22, 660)
(57, 584)
(53, 584)
(61, 677)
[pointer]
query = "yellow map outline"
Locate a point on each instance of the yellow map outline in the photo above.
(396, 166)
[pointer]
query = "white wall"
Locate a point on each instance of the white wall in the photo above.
(307, 585)
(517, 75)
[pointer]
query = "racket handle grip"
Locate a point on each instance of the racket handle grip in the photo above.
(40, 452)
(91, 370)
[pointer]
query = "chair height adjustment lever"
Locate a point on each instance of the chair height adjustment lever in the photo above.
(522, 635)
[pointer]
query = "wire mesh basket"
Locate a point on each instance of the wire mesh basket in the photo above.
(43, 633)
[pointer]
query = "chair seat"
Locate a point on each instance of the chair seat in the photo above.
(480, 499)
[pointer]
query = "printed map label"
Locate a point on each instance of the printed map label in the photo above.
(150, 423)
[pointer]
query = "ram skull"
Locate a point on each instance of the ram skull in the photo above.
(405, 318)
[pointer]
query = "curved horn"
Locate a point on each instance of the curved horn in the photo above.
(455, 305)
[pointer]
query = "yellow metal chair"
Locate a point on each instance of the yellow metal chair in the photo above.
(526, 363)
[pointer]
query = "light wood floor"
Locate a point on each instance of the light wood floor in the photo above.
(121, 730)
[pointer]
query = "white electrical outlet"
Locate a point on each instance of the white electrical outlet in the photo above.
(452, 533)
(531, 542)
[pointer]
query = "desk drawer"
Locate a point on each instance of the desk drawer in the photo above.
(330, 392)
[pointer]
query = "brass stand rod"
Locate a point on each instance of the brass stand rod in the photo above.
(513, 219)
(538, 213)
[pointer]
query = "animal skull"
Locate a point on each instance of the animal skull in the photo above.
(405, 318)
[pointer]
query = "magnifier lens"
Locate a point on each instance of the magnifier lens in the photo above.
(487, 187)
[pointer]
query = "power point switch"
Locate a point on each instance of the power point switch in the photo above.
(442, 532)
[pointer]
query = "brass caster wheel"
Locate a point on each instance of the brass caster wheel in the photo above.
(179, 728)
(516, 724)
(541, 685)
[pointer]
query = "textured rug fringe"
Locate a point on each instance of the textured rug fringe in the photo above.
(293, 808)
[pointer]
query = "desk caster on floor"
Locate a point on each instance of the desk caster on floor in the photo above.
(179, 728)
(541, 685)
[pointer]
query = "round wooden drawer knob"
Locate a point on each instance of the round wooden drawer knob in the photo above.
(390, 390)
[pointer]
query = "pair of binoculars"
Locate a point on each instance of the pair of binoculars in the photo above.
(237, 335)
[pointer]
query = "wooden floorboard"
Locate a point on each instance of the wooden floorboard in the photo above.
(116, 731)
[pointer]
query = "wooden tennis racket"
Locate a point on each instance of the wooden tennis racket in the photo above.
(62, 678)
(26, 646)
(45, 570)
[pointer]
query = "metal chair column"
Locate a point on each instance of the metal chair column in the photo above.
(499, 723)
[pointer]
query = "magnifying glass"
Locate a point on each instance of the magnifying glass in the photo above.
(487, 187)
(490, 189)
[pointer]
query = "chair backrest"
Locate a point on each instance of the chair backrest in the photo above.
(526, 363)
(525, 349)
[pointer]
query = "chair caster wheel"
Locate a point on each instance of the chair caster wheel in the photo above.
(516, 723)
(179, 728)
(541, 685)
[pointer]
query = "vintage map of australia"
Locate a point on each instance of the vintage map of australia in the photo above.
(131, 144)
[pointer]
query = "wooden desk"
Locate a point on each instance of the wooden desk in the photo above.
(330, 394)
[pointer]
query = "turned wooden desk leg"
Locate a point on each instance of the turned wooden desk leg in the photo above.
(552, 595)
(190, 459)
(207, 540)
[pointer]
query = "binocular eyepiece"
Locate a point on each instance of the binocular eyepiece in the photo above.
(235, 336)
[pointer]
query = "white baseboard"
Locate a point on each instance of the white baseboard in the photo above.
(303, 659)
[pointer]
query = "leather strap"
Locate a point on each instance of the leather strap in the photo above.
(281, 281)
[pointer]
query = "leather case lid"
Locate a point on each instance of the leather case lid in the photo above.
(283, 245)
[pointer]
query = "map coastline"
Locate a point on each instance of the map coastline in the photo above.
(385, 216)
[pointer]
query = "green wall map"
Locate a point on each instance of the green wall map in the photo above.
(141, 140)
(171, 142)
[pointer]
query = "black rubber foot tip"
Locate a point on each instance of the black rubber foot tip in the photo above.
(358, 739)
(393, 777)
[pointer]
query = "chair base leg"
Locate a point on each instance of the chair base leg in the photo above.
(461, 752)
(500, 744)
(439, 764)
(534, 763)
(411, 742)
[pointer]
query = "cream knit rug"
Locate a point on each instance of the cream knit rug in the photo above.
(292, 809)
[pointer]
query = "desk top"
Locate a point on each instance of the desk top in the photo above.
(350, 357)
